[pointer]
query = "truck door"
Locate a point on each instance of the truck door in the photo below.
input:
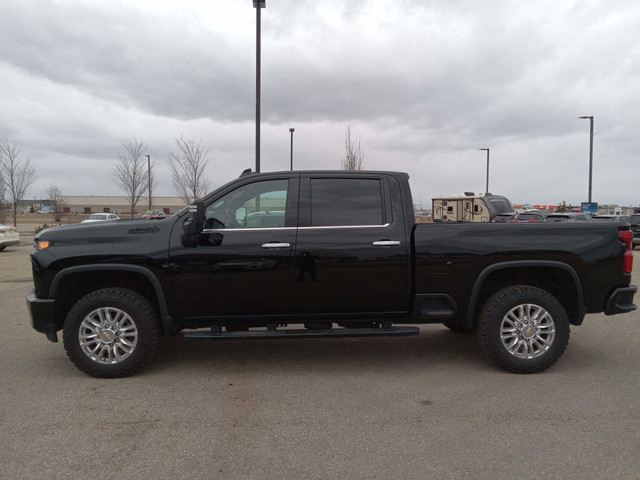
(244, 262)
(352, 252)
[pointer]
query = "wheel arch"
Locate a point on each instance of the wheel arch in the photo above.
(558, 278)
(72, 283)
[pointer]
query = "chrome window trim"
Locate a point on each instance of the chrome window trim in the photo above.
(253, 229)
(291, 228)
(344, 226)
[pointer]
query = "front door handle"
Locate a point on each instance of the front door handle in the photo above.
(386, 243)
(274, 245)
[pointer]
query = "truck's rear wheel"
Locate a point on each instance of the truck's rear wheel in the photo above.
(111, 332)
(523, 329)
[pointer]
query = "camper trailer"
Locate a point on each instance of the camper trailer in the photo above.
(469, 207)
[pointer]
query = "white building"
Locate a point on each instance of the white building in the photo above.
(118, 204)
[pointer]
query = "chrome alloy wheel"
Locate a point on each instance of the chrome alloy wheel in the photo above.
(108, 335)
(527, 331)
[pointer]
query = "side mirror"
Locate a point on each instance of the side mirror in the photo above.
(193, 225)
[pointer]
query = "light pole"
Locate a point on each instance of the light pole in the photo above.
(291, 130)
(149, 177)
(486, 191)
(263, 4)
(590, 117)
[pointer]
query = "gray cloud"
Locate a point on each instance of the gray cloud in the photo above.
(425, 84)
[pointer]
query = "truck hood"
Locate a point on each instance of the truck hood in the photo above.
(106, 232)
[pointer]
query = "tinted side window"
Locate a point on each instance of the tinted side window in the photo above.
(345, 201)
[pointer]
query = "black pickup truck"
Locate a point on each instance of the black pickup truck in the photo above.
(317, 254)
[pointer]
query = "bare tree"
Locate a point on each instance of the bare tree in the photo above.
(187, 169)
(55, 195)
(17, 176)
(151, 180)
(3, 189)
(130, 173)
(353, 153)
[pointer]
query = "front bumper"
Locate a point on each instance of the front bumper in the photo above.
(9, 243)
(41, 311)
(621, 301)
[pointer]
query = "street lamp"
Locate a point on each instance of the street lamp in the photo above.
(291, 130)
(263, 4)
(149, 177)
(590, 117)
(486, 191)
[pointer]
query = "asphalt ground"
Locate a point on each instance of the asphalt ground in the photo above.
(423, 407)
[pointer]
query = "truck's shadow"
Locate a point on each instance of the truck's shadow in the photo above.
(435, 345)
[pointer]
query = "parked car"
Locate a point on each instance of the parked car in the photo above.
(634, 220)
(45, 210)
(526, 209)
(568, 217)
(154, 214)
(611, 218)
(504, 217)
(8, 236)
(101, 217)
(529, 217)
(265, 219)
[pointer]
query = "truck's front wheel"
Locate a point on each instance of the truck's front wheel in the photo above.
(111, 332)
(523, 328)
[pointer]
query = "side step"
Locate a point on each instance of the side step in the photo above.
(216, 333)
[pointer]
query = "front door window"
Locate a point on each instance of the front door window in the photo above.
(256, 205)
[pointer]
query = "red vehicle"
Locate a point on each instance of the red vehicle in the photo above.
(154, 214)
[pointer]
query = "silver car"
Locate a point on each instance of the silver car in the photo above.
(8, 236)
(101, 217)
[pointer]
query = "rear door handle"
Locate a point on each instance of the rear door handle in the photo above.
(386, 243)
(274, 245)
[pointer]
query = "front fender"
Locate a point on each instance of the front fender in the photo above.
(168, 322)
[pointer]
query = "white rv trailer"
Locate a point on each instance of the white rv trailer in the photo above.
(469, 207)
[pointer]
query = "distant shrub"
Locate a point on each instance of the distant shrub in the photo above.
(44, 227)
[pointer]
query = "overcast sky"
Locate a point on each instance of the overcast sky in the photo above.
(424, 84)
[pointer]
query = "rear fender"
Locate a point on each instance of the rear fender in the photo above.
(575, 319)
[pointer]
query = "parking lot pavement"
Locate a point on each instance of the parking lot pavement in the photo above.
(428, 406)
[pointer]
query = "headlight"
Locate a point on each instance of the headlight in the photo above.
(41, 244)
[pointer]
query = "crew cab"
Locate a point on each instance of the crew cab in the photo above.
(321, 254)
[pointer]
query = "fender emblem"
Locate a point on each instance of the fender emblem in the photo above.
(142, 231)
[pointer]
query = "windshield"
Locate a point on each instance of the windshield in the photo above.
(634, 220)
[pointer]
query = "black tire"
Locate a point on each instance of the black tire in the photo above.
(121, 332)
(523, 329)
(2, 247)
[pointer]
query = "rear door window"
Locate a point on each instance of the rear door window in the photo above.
(346, 202)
